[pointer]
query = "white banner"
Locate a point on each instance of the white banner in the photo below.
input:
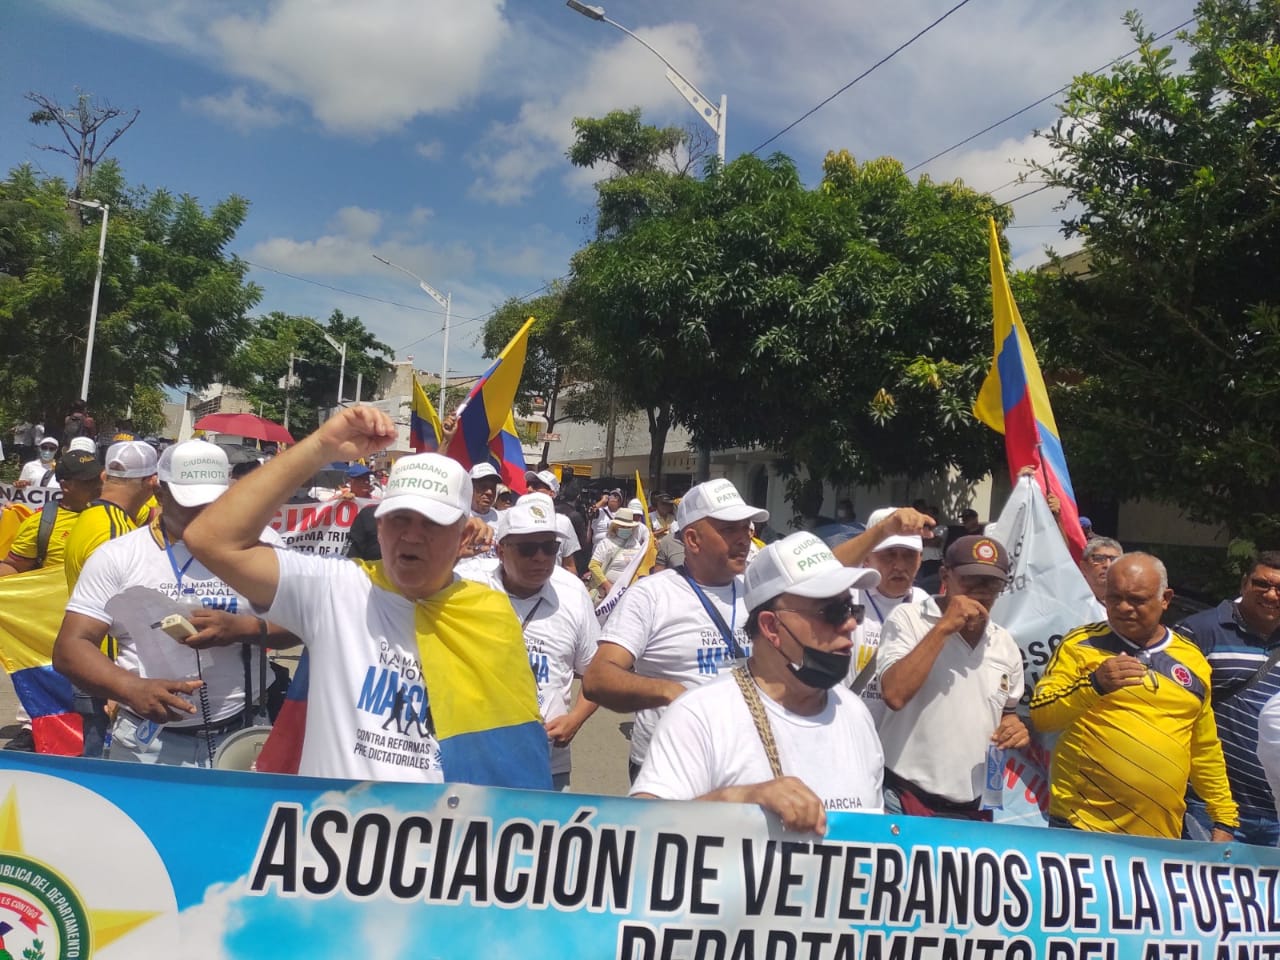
(1047, 595)
(30, 497)
(319, 528)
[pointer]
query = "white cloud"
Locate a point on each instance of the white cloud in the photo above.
(357, 222)
(236, 110)
(431, 150)
(367, 67)
(614, 75)
(420, 215)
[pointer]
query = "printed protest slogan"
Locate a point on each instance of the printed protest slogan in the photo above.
(121, 860)
(33, 498)
(318, 528)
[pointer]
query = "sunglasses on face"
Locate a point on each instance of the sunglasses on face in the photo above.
(548, 548)
(834, 612)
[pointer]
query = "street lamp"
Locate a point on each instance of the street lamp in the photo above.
(97, 285)
(714, 118)
(446, 301)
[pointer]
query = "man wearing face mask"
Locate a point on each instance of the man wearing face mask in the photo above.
(41, 471)
(782, 731)
(951, 680)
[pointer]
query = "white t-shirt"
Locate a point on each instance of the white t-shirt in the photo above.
(367, 709)
(1269, 745)
(561, 634)
(600, 525)
(661, 623)
(139, 559)
(34, 470)
(867, 639)
(614, 557)
(491, 518)
(571, 545)
(938, 740)
(707, 740)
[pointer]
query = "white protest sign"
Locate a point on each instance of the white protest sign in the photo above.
(320, 528)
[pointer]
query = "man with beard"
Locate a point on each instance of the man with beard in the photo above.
(782, 731)
(951, 680)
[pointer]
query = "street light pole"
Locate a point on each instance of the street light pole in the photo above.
(97, 285)
(446, 301)
(716, 119)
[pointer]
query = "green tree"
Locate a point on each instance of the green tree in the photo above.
(1170, 345)
(262, 365)
(847, 326)
(173, 307)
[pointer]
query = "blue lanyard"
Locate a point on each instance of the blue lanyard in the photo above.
(727, 630)
(872, 600)
(173, 562)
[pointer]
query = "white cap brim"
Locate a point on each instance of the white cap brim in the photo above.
(911, 543)
(433, 510)
(196, 494)
(834, 582)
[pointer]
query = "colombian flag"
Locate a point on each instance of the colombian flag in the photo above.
(424, 424)
(1013, 401)
(31, 608)
(486, 426)
(650, 551)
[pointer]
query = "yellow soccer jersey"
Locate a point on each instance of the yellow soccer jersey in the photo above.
(25, 542)
(95, 525)
(1123, 759)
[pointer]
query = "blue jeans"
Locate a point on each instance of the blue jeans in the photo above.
(1259, 831)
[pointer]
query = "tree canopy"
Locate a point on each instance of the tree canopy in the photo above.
(1169, 345)
(174, 302)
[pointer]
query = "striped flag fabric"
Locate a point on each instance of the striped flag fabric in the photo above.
(1013, 401)
(424, 422)
(282, 751)
(486, 425)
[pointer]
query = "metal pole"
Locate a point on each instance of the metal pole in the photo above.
(724, 122)
(444, 357)
(359, 384)
(93, 308)
(342, 368)
(288, 390)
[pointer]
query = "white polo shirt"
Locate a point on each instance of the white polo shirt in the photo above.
(867, 640)
(1269, 745)
(938, 740)
(663, 624)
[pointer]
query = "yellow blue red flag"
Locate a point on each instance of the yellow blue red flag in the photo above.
(1013, 401)
(424, 423)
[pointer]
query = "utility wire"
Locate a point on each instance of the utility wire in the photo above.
(871, 69)
(349, 293)
(1036, 103)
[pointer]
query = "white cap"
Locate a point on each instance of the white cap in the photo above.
(427, 483)
(718, 499)
(910, 542)
(49, 442)
(532, 513)
(482, 470)
(196, 472)
(804, 566)
(546, 477)
(130, 459)
(83, 443)
(636, 507)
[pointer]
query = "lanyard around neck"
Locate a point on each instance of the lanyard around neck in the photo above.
(727, 630)
(173, 562)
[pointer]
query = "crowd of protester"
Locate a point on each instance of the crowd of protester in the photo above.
(853, 668)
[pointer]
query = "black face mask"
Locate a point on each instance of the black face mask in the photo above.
(820, 669)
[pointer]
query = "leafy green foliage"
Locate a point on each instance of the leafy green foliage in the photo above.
(173, 303)
(1169, 346)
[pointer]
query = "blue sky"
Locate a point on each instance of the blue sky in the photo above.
(433, 133)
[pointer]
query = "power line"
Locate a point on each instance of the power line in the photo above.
(349, 293)
(1036, 103)
(871, 69)
(484, 316)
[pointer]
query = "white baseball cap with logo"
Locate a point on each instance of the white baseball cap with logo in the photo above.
(83, 443)
(804, 566)
(195, 472)
(131, 459)
(532, 513)
(546, 478)
(434, 486)
(482, 470)
(719, 500)
(915, 542)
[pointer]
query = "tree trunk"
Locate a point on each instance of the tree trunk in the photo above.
(611, 435)
(659, 425)
(550, 414)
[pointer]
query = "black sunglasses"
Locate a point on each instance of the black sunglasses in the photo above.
(833, 612)
(547, 548)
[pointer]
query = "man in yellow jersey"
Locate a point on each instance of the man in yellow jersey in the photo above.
(1130, 700)
(41, 540)
(129, 481)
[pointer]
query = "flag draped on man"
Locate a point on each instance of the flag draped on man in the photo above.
(486, 426)
(424, 424)
(1013, 401)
